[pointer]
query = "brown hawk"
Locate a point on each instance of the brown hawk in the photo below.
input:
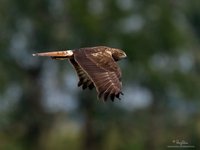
(95, 67)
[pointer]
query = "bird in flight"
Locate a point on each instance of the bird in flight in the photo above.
(95, 67)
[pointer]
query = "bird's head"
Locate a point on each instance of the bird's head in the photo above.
(118, 54)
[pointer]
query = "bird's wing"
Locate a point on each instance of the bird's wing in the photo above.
(84, 80)
(102, 69)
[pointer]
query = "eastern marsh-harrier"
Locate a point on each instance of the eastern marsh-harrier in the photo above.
(95, 67)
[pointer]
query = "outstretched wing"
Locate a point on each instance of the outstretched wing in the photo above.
(84, 80)
(102, 69)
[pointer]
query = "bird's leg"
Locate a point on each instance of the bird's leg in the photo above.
(56, 54)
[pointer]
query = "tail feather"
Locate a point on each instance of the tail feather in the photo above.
(56, 54)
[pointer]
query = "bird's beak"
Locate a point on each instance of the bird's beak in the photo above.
(124, 56)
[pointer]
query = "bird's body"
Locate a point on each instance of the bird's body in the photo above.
(95, 67)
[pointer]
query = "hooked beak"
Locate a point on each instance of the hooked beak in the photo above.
(124, 56)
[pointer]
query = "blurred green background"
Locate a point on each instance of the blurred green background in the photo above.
(41, 107)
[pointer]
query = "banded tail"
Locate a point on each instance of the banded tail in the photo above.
(56, 54)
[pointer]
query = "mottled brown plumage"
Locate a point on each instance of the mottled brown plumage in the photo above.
(95, 67)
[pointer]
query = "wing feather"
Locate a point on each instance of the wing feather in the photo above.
(84, 80)
(102, 70)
